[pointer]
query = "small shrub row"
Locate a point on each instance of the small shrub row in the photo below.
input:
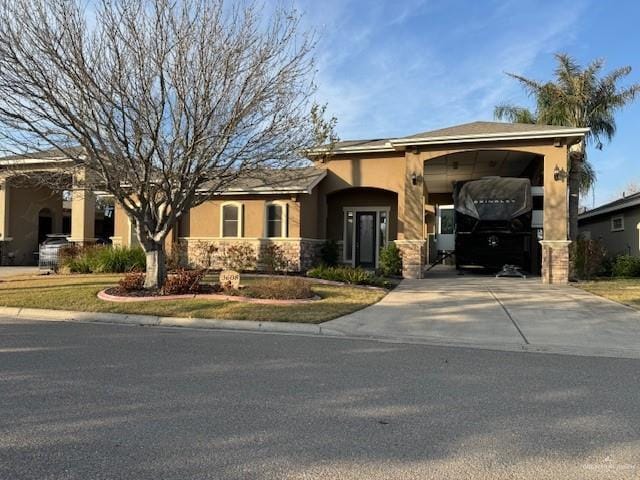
(102, 259)
(132, 281)
(182, 281)
(355, 276)
(626, 266)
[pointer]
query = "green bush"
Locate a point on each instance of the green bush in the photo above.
(587, 258)
(103, 259)
(626, 266)
(390, 261)
(329, 253)
(355, 276)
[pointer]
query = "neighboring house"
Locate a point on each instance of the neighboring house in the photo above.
(615, 225)
(366, 194)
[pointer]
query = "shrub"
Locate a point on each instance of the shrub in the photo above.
(356, 276)
(275, 260)
(132, 281)
(239, 257)
(183, 281)
(102, 259)
(204, 253)
(587, 258)
(279, 289)
(329, 253)
(626, 266)
(390, 261)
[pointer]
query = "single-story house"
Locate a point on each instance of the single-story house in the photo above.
(615, 224)
(363, 195)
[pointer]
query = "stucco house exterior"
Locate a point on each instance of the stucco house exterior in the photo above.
(363, 195)
(616, 225)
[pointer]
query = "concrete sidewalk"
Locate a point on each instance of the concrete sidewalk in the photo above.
(499, 313)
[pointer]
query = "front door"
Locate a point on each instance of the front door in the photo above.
(446, 237)
(366, 239)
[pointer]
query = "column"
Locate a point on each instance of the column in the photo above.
(411, 242)
(83, 210)
(555, 246)
(4, 210)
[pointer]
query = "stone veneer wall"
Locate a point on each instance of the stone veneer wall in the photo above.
(302, 253)
(413, 254)
(555, 261)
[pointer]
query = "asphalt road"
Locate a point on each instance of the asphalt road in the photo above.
(90, 401)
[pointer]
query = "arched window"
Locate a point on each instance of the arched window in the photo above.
(231, 219)
(276, 220)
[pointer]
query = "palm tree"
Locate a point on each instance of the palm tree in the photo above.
(576, 97)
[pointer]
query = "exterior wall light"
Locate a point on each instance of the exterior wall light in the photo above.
(414, 178)
(559, 174)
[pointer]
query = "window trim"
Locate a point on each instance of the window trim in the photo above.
(613, 219)
(240, 207)
(284, 232)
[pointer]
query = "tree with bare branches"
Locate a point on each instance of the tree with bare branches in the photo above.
(169, 101)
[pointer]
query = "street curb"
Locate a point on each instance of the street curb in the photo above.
(293, 328)
(153, 320)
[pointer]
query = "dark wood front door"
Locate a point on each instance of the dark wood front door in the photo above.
(366, 239)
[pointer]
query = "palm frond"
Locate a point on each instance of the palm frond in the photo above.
(514, 114)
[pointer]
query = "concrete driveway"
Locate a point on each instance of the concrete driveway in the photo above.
(11, 271)
(502, 313)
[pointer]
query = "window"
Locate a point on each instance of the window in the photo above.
(348, 237)
(231, 220)
(383, 226)
(617, 223)
(276, 220)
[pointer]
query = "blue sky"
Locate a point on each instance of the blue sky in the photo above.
(390, 68)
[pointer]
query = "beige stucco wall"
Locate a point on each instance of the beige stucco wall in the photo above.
(203, 221)
(360, 198)
(25, 205)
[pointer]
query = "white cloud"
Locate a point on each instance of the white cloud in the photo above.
(383, 74)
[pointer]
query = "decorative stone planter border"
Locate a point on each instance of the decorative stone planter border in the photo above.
(103, 295)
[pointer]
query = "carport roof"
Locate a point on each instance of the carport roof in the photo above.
(467, 132)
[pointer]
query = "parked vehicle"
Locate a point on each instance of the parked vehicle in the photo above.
(493, 222)
(49, 252)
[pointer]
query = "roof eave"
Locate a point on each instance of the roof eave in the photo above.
(492, 137)
(604, 209)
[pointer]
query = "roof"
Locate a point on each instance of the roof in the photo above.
(611, 207)
(466, 132)
(293, 180)
(42, 156)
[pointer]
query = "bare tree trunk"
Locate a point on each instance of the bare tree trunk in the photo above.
(156, 271)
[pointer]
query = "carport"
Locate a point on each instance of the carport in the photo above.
(45, 194)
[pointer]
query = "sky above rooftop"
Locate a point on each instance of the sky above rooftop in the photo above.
(394, 68)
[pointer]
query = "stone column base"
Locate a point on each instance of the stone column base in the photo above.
(555, 261)
(413, 254)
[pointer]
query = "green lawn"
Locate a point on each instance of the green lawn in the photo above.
(622, 290)
(78, 292)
